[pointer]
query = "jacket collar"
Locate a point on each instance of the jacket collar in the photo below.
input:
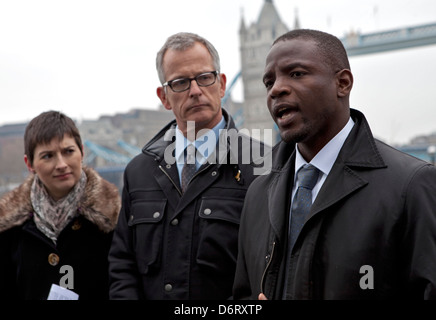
(100, 204)
(359, 151)
(162, 141)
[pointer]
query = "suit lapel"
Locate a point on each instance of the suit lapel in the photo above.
(358, 151)
(341, 182)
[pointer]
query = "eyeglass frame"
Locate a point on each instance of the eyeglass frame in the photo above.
(168, 83)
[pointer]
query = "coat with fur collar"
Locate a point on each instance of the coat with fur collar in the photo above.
(30, 262)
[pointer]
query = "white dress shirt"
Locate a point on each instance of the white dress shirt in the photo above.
(323, 160)
(205, 145)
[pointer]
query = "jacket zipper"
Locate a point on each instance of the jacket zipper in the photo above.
(172, 181)
(266, 268)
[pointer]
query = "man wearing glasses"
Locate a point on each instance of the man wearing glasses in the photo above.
(178, 229)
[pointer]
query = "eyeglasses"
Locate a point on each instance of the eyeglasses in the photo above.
(203, 80)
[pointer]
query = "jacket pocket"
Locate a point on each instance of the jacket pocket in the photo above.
(219, 226)
(146, 222)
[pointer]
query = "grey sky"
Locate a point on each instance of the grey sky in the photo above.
(93, 57)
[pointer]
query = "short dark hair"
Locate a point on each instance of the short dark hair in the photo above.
(330, 47)
(45, 127)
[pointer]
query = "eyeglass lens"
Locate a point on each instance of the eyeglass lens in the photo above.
(203, 80)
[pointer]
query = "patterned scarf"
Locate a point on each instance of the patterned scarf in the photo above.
(51, 216)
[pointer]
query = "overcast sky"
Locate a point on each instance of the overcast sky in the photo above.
(93, 57)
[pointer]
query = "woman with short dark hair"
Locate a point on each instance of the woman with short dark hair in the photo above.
(56, 227)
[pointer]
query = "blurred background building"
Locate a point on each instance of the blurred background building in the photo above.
(111, 141)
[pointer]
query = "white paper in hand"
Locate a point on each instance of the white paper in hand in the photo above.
(59, 293)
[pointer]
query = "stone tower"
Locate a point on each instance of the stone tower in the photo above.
(255, 42)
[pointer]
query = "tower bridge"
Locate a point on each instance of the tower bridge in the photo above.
(401, 38)
(255, 41)
(361, 44)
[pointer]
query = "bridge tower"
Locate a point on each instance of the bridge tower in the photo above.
(255, 42)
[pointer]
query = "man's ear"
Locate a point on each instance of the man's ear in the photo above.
(223, 81)
(163, 97)
(345, 82)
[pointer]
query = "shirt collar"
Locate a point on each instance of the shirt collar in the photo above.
(326, 157)
(204, 144)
